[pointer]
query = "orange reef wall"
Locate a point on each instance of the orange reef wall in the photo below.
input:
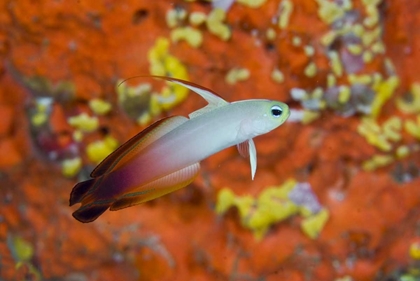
(336, 195)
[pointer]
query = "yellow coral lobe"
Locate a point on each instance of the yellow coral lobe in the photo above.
(252, 3)
(84, 122)
(286, 9)
(164, 64)
(23, 250)
(70, 167)
(360, 79)
(225, 200)
(392, 128)
(39, 119)
(277, 76)
(144, 119)
(402, 152)
(313, 225)
(377, 161)
(98, 150)
(413, 128)
(355, 49)
(216, 26)
(335, 63)
(175, 16)
(197, 18)
(244, 205)
(329, 11)
(100, 106)
(190, 35)
(78, 135)
(412, 104)
(310, 70)
(328, 38)
(270, 34)
(344, 94)
(415, 251)
(317, 93)
(237, 74)
(384, 91)
(331, 80)
(309, 116)
(309, 50)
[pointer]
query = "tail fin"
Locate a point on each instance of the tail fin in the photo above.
(90, 212)
(80, 190)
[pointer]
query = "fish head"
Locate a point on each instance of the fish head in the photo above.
(264, 116)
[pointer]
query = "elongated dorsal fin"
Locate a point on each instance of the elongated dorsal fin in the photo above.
(134, 145)
(213, 99)
(247, 148)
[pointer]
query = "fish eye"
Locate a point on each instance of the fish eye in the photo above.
(276, 111)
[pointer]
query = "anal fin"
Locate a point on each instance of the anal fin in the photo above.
(158, 187)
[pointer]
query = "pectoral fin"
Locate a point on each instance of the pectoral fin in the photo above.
(247, 148)
(158, 188)
(134, 145)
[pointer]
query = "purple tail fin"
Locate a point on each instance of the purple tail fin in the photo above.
(90, 212)
(80, 190)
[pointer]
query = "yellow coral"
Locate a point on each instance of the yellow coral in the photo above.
(328, 38)
(384, 91)
(310, 70)
(225, 199)
(84, 122)
(272, 206)
(277, 76)
(98, 150)
(270, 34)
(381, 136)
(191, 35)
(164, 64)
(39, 118)
(360, 79)
(331, 80)
(402, 151)
(237, 74)
(355, 49)
(313, 225)
(78, 135)
(413, 127)
(415, 250)
(244, 205)
(286, 9)
(197, 18)
(309, 116)
(335, 63)
(70, 167)
(377, 161)
(252, 3)
(392, 128)
(175, 16)
(216, 26)
(100, 106)
(412, 105)
(344, 94)
(329, 11)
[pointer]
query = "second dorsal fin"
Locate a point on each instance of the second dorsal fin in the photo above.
(134, 145)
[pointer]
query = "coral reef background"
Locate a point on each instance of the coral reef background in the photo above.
(337, 191)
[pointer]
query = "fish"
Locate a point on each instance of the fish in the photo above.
(166, 156)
